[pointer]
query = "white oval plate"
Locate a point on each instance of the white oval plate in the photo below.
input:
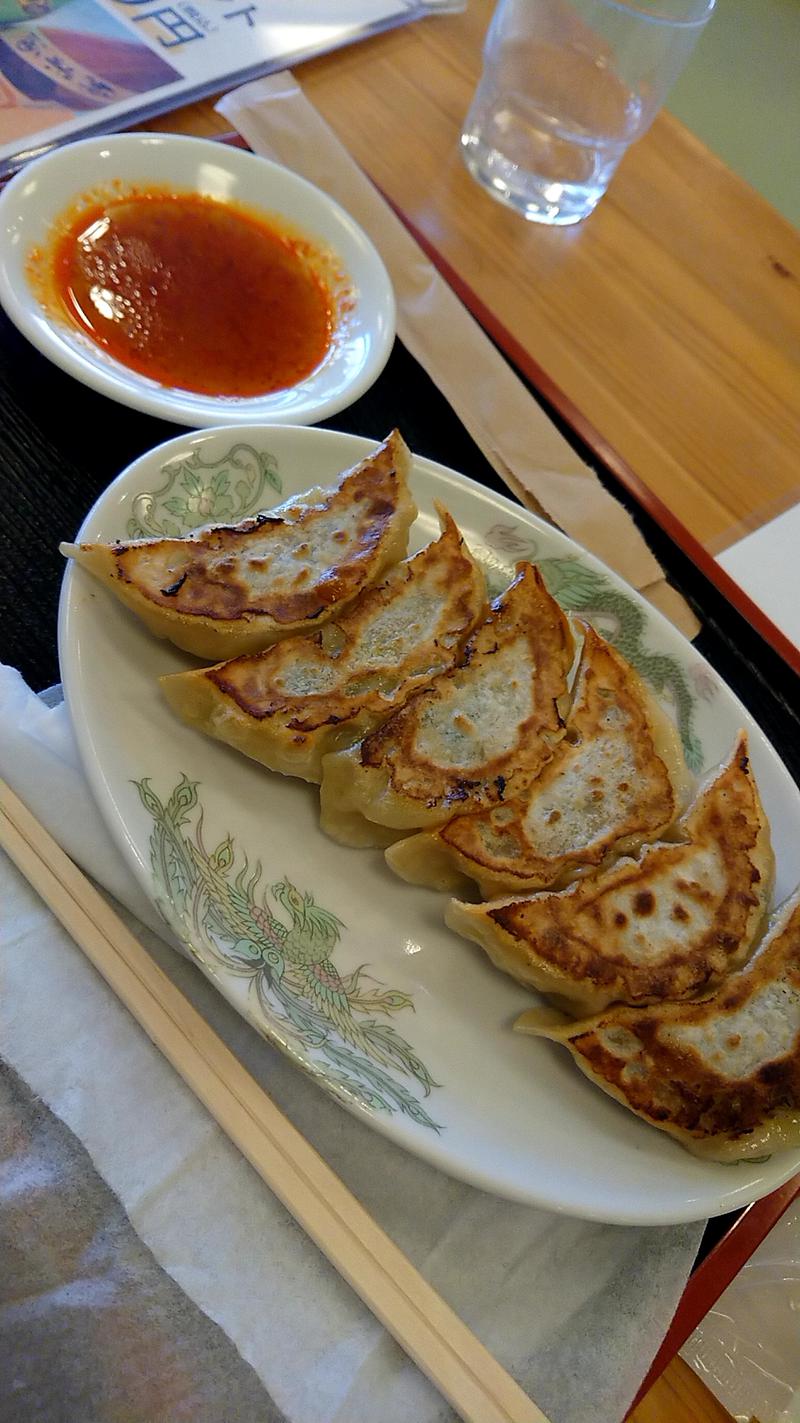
(439, 1070)
(35, 199)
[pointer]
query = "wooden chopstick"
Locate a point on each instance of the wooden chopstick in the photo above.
(442, 1346)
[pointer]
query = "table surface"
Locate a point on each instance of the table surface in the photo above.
(667, 327)
(677, 295)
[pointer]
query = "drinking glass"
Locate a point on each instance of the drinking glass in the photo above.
(567, 86)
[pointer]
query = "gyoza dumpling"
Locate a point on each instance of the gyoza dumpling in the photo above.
(474, 735)
(224, 591)
(668, 924)
(722, 1076)
(290, 705)
(617, 778)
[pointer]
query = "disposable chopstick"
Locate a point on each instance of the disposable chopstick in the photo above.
(464, 1371)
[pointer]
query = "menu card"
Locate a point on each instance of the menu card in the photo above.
(69, 68)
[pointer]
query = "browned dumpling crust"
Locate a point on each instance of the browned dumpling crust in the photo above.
(618, 778)
(306, 696)
(474, 736)
(668, 924)
(722, 1076)
(228, 590)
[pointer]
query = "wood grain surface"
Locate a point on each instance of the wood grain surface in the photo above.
(679, 1396)
(670, 319)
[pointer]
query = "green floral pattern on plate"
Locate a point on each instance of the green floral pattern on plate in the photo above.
(197, 492)
(226, 917)
(620, 618)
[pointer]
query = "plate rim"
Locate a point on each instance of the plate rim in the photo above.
(169, 403)
(397, 1130)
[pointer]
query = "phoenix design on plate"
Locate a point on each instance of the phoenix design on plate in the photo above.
(341, 1021)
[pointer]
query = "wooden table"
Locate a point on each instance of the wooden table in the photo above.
(666, 328)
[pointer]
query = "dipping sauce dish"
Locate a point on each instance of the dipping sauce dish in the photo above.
(194, 281)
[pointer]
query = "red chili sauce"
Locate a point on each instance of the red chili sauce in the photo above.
(195, 293)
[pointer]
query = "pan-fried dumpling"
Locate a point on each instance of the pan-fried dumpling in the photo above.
(668, 924)
(616, 779)
(228, 590)
(476, 734)
(722, 1076)
(291, 704)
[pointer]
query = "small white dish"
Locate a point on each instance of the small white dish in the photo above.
(439, 1069)
(38, 196)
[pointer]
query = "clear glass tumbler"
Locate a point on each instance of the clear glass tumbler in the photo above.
(567, 86)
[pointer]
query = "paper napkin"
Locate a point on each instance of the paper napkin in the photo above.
(765, 564)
